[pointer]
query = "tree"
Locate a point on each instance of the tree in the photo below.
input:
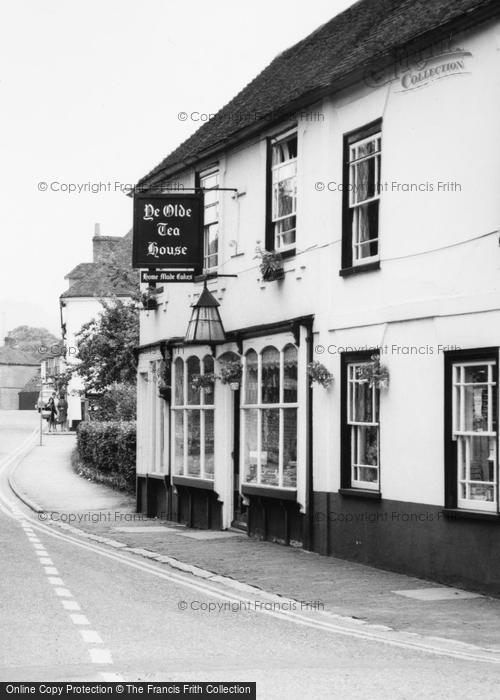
(106, 346)
(36, 342)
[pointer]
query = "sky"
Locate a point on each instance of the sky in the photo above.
(90, 93)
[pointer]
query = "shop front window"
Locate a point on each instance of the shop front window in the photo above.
(475, 433)
(269, 417)
(193, 419)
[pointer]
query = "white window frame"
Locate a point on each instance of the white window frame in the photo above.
(210, 260)
(185, 408)
(356, 205)
(281, 405)
(277, 237)
(464, 437)
(355, 427)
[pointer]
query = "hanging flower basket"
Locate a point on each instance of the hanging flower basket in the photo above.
(271, 264)
(149, 301)
(230, 373)
(203, 381)
(165, 393)
(374, 373)
(163, 375)
(319, 373)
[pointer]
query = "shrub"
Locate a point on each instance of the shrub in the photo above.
(118, 402)
(108, 448)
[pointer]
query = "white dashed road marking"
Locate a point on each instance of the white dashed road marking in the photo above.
(91, 637)
(97, 655)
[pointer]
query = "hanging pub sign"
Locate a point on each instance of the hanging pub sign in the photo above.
(168, 231)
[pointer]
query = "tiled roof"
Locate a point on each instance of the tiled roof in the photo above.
(334, 55)
(109, 275)
(13, 356)
(100, 280)
(79, 271)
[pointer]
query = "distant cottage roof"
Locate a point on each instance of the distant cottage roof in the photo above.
(333, 56)
(14, 356)
(104, 277)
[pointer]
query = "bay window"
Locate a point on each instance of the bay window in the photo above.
(193, 419)
(269, 417)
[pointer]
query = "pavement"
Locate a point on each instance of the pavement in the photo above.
(372, 598)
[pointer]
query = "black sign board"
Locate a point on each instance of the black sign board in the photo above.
(167, 276)
(168, 231)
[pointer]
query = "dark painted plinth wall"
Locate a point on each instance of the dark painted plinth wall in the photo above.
(410, 538)
(198, 508)
(194, 507)
(274, 520)
(154, 497)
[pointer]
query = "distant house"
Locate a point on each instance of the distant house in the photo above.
(17, 367)
(28, 396)
(88, 284)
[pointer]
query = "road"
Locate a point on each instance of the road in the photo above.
(73, 610)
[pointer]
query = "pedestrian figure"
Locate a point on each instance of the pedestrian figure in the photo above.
(62, 409)
(51, 406)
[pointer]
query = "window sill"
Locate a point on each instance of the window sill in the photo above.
(356, 269)
(194, 482)
(459, 514)
(269, 492)
(361, 493)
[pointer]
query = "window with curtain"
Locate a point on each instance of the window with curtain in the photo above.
(193, 419)
(364, 196)
(284, 190)
(361, 196)
(210, 182)
(269, 417)
(363, 429)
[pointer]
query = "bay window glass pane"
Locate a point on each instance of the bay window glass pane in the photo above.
(270, 446)
(209, 443)
(193, 367)
(193, 441)
(290, 447)
(179, 381)
(270, 375)
(250, 446)
(290, 374)
(178, 442)
(208, 368)
(251, 393)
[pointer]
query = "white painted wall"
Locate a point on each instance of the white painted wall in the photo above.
(440, 256)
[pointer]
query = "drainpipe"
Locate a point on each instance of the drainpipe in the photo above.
(309, 516)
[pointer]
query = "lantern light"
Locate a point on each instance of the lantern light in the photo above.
(205, 325)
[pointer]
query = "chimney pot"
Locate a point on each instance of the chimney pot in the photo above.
(97, 229)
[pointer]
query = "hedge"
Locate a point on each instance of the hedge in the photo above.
(108, 448)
